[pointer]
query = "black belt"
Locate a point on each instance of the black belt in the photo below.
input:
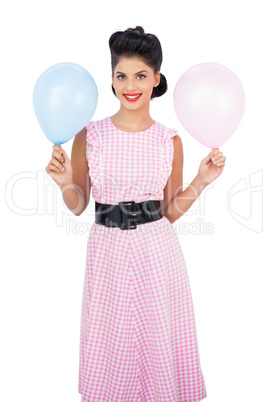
(127, 214)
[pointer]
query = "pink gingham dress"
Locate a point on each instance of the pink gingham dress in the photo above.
(138, 340)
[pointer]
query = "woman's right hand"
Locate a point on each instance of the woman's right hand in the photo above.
(60, 167)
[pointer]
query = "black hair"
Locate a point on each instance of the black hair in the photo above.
(135, 42)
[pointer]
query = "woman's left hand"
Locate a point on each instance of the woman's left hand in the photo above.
(211, 167)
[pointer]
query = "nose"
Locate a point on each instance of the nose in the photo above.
(130, 85)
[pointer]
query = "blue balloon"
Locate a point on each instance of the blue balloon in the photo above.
(65, 98)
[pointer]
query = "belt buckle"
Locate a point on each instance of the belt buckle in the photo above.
(124, 215)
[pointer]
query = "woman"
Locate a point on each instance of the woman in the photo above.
(138, 336)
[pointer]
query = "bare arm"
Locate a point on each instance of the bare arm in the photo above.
(76, 194)
(176, 200)
(175, 181)
(74, 181)
(182, 201)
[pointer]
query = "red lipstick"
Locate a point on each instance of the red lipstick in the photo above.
(132, 97)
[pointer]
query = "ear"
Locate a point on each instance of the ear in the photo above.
(157, 79)
(112, 79)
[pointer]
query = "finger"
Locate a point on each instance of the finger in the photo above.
(208, 157)
(215, 152)
(65, 156)
(217, 157)
(55, 165)
(51, 174)
(52, 170)
(58, 156)
(57, 148)
(219, 160)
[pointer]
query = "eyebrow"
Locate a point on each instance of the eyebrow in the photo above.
(143, 71)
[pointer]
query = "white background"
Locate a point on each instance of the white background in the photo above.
(222, 235)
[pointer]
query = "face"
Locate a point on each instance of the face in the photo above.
(133, 81)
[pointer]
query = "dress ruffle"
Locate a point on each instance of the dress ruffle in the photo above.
(167, 159)
(94, 155)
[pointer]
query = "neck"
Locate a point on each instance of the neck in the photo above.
(132, 120)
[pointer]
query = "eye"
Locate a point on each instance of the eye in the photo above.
(141, 76)
(120, 77)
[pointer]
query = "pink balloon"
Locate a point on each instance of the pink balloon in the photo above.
(209, 101)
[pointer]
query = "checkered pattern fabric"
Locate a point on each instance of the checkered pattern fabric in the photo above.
(138, 340)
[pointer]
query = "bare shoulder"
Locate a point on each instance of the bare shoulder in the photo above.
(80, 140)
(80, 145)
(178, 149)
(177, 141)
(79, 159)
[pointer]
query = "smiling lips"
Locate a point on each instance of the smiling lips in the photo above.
(132, 97)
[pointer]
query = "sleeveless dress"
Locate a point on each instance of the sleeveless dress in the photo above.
(138, 340)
